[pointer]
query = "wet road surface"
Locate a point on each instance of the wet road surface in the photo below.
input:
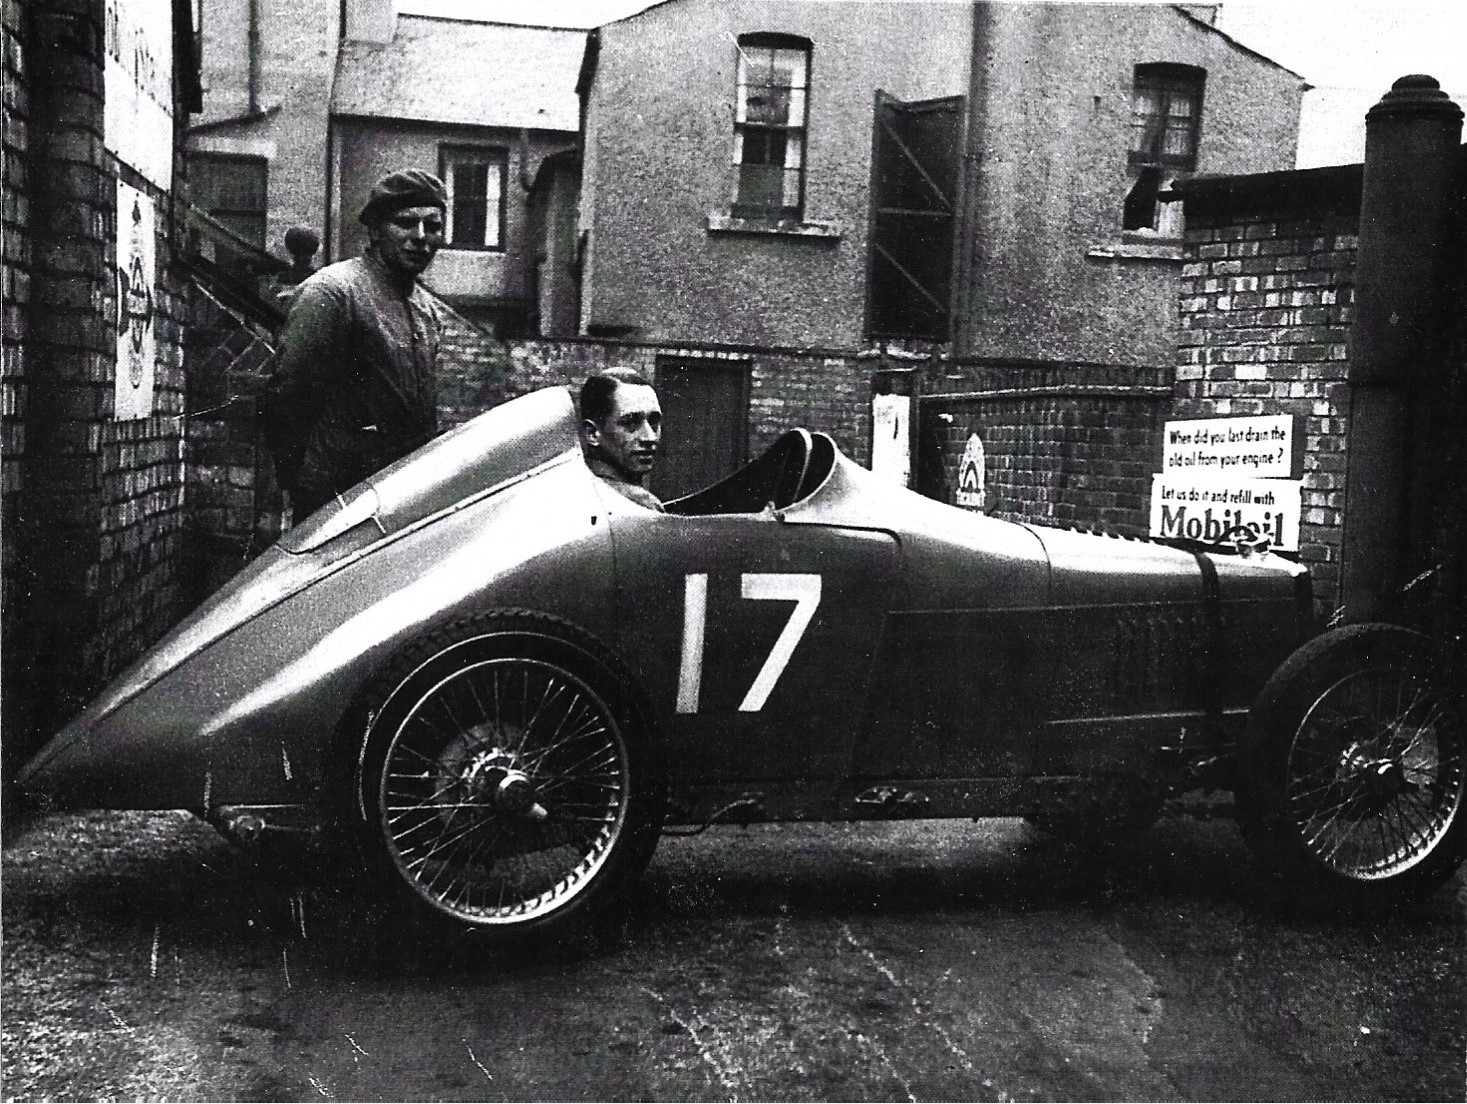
(146, 958)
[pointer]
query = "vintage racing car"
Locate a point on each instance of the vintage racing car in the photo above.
(492, 681)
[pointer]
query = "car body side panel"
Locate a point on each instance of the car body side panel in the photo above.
(251, 717)
(482, 453)
(753, 578)
(952, 559)
(1007, 645)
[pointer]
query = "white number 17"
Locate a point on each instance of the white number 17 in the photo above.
(803, 590)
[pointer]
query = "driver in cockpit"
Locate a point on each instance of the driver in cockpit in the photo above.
(621, 428)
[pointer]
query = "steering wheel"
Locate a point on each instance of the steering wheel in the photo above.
(1247, 538)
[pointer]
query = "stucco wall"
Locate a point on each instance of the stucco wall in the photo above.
(659, 162)
(297, 59)
(554, 232)
(368, 150)
(1048, 274)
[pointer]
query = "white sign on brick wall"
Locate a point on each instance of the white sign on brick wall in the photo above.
(891, 448)
(137, 347)
(1212, 510)
(137, 118)
(972, 474)
(1257, 447)
(1222, 477)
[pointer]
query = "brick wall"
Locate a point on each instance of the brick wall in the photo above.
(94, 506)
(1266, 294)
(1065, 444)
(14, 301)
(821, 391)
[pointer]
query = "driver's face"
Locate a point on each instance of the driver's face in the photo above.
(628, 438)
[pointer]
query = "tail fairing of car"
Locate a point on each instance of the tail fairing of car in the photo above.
(282, 647)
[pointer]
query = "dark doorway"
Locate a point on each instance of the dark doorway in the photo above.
(705, 407)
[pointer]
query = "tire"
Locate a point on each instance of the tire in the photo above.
(508, 781)
(1353, 787)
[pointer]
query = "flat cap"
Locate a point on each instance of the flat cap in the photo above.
(301, 239)
(404, 188)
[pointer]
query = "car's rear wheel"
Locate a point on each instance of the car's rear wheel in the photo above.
(1355, 787)
(508, 783)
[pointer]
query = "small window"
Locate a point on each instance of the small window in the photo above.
(1166, 115)
(474, 177)
(231, 190)
(769, 127)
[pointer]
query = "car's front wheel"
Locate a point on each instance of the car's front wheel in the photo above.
(1355, 788)
(508, 781)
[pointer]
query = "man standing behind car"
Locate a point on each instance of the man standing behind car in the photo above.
(354, 385)
(621, 427)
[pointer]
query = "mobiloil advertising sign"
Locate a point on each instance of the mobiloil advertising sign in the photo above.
(1219, 474)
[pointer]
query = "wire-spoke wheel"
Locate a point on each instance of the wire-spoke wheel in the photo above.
(1360, 781)
(508, 782)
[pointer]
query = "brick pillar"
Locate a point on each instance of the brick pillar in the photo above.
(69, 352)
(1398, 342)
(15, 235)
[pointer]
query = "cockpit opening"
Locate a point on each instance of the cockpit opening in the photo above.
(788, 472)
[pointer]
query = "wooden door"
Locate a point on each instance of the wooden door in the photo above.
(705, 408)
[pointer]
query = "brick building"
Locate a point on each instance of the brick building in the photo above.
(1266, 299)
(1340, 295)
(651, 231)
(93, 385)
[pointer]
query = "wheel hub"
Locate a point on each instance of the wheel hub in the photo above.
(1371, 779)
(490, 776)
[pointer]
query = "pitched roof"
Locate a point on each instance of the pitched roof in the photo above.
(1233, 42)
(457, 71)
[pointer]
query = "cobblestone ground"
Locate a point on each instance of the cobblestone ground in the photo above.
(146, 959)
